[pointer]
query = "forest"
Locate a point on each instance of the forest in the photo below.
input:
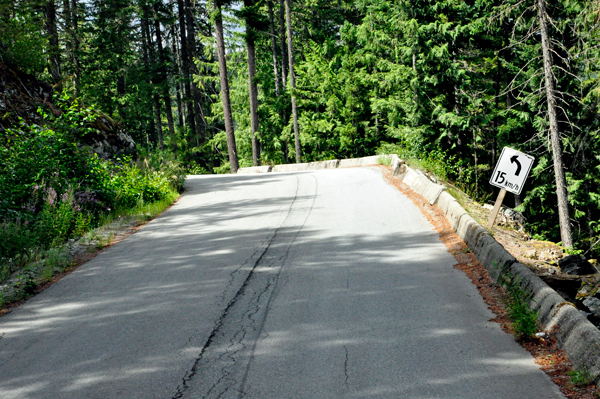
(212, 86)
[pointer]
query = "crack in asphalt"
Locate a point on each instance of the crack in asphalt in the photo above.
(240, 325)
(348, 279)
(346, 367)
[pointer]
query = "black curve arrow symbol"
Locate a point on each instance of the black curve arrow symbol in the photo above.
(514, 159)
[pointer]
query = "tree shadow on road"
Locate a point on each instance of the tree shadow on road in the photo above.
(135, 319)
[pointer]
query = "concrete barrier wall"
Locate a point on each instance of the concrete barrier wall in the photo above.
(331, 164)
(348, 163)
(423, 186)
(290, 167)
(255, 169)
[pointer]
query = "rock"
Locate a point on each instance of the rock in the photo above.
(488, 207)
(565, 286)
(586, 290)
(547, 256)
(530, 254)
(576, 265)
(22, 94)
(593, 304)
(514, 216)
(553, 270)
(108, 138)
(511, 218)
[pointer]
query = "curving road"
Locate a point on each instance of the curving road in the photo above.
(320, 284)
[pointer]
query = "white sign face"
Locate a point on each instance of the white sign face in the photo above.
(512, 170)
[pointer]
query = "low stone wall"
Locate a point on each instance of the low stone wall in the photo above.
(331, 164)
(348, 163)
(255, 169)
(319, 165)
(290, 167)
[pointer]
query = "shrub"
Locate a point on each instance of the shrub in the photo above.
(52, 189)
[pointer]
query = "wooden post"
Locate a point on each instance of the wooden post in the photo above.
(496, 209)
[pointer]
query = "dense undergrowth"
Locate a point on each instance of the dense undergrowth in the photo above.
(52, 188)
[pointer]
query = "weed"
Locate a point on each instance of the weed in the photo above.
(56, 260)
(26, 281)
(463, 251)
(83, 222)
(524, 319)
(581, 377)
(573, 251)
(384, 160)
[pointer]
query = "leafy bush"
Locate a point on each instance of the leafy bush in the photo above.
(53, 189)
(435, 161)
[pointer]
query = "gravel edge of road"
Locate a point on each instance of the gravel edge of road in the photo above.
(574, 334)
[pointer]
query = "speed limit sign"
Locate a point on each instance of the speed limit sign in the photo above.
(512, 170)
(510, 174)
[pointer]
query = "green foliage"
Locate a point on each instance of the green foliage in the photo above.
(525, 321)
(581, 377)
(435, 162)
(384, 160)
(53, 189)
(571, 251)
(21, 39)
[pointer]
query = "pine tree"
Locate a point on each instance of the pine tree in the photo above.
(231, 146)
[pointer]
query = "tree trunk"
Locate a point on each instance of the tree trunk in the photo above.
(282, 44)
(566, 234)
(231, 147)
(254, 125)
(178, 86)
(159, 130)
(288, 19)
(52, 32)
(70, 9)
(180, 111)
(69, 34)
(154, 79)
(277, 77)
(164, 81)
(196, 96)
(185, 68)
(147, 70)
(274, 48)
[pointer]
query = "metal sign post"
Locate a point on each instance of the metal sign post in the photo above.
(510, 174)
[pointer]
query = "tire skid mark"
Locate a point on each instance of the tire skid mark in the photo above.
(235, 332)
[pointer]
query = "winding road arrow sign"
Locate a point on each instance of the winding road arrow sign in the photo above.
(507, 174)
(515, 159)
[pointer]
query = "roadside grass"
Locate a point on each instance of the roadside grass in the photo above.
(525, 321)
(22, 276)
(581, 377)
(384, 160)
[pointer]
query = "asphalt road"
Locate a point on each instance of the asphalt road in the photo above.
(295, 285)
